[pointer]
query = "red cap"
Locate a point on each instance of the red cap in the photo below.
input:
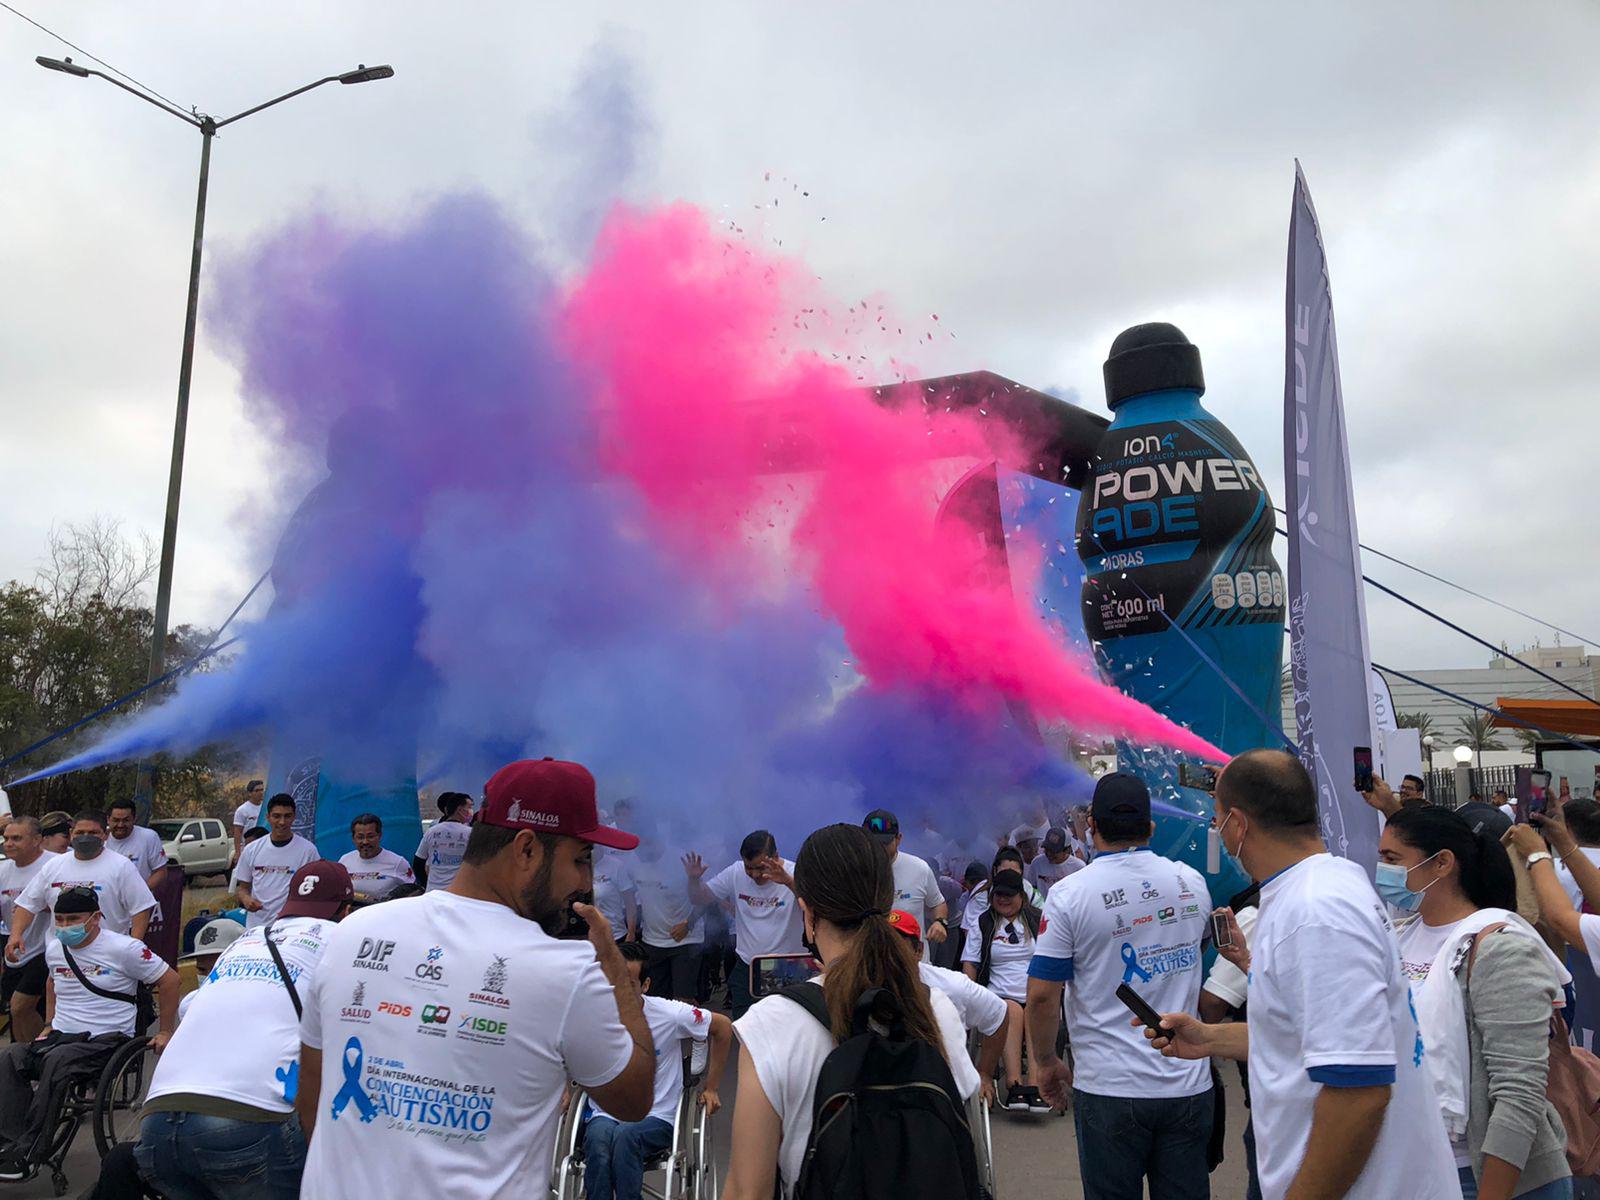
(548, 796)
(903, 922)
(318, 889)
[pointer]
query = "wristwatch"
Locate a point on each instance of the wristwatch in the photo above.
(1540, 856)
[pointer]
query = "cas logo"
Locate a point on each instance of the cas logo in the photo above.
(373, 954)
(388, 1008)
(1148, 891)
(431, 969)
(1114, 899)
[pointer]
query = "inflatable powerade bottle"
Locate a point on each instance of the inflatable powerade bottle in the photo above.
(1175, 533)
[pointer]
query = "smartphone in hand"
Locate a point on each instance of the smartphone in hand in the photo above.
(1202, 777)
(1363, 763)
(1221, 931)
(1140, 1008)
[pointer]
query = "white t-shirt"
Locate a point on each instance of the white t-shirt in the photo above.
(788, 1045)
(766, 919)
(1568, 883)
(1509, 809)
(1008, 960)
(113, 962)
(142, 847)
(208, 1057)
(1419, 946)
(449, 1028)
(268, 868)
(378, 876)
(441, 850)
(123, 895)
(13, 880)
(613, 880)
(664, 902)
(1131, 917)
(670, 1021)
(1589, 927)
(246, 816)
(1226, 981)
(977, 1006)
(1041, 872)
(1327, 991)
(916, 888)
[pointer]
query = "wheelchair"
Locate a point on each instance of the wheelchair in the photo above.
(982, 1142)
(689, 1165)
(109, 1100)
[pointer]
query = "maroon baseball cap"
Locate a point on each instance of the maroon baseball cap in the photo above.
(548, 796)
(318, 889)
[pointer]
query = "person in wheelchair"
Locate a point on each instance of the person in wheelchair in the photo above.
(91, 1005)
(981, 1010)
(614, 1152)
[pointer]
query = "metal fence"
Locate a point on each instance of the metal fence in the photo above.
(1441, 783)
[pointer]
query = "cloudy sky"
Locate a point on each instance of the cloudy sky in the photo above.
(1040, 175)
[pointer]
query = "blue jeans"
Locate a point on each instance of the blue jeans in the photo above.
(1122, 1142)
(1556, 1189)
(191, 1156)
(614, 1154)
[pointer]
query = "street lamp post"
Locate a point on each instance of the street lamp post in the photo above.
(1427, 744)
(144, 790)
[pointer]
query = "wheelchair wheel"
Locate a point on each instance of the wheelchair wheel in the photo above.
(982, 1144)
(706, 1186)
(117, 1100)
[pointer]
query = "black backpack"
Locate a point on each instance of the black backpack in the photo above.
(886, 1119)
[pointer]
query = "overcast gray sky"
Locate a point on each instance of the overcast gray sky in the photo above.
(1040, 175)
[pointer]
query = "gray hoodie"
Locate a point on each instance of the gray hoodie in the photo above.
(1508, 1001)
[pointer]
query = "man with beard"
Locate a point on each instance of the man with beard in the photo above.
(440, 1031)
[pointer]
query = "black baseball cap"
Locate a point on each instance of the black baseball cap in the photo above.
(1120, 795)
(1055, 841)
(882, 824)
(1006, 883)
(74, 900)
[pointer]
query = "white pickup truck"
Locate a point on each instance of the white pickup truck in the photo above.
(200, 845)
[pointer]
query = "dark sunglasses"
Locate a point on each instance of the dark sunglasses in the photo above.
(1011, 934)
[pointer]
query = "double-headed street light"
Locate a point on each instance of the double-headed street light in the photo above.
(208, 127)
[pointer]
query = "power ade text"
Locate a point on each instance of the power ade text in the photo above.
(1147, 511)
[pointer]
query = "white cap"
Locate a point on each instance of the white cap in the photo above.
(214, 937)
(1025, 833)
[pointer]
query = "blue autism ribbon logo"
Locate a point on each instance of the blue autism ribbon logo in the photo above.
(1130, 965)
(290, 1078)
(351, 1091)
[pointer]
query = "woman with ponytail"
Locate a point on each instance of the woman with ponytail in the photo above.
(1484, 986)
(845, 889)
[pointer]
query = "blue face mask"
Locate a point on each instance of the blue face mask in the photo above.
(1390, 882)
(72, 935)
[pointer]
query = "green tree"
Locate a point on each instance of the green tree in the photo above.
(1530, 739)
(1421, 722)
(72, 641)
(1476, 732)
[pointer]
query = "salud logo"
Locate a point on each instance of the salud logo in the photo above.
(357, 1009)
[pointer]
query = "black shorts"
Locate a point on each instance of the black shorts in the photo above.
(28, 978)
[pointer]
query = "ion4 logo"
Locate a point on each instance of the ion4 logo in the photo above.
(435, 1014)
(394, 1010)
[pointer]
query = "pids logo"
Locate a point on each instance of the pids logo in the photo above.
(373, 954)
(390, 1009)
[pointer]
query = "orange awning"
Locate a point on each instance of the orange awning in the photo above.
(1580, 718)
